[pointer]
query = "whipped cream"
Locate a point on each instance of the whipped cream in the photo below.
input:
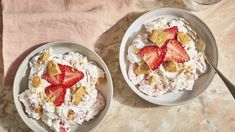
(56, 116)
(165, 81)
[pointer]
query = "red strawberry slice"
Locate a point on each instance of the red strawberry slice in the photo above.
(56, 93)
(176, 52)
(153, 55)
(62, 129)
(71, 76)
(173, 32)
(57, 79)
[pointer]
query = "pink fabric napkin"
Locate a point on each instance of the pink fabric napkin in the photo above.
(28, 23)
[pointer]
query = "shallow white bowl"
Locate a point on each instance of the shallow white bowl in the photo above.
(21, 84)
(204, 33)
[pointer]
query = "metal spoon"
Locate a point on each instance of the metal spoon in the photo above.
(193, 35)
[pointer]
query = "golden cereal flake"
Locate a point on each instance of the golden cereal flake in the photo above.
(71, 114)
(159, 37)
(136, 50)
(36, 81)
(152, 79)
(78, 95)
(142, 68)
(38, 109)
(53, 68)
(171, 66)
(183, 38)
(44, 56)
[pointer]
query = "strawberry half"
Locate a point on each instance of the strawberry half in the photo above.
(173, 32)
(57, 79)
(56, 93)
(176, 52)
(71, 76)
(153, 55)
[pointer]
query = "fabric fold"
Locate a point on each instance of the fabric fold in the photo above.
(28, 23)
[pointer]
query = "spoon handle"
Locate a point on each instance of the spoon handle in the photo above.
(229, 85)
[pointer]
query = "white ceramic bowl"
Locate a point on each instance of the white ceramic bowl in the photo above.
(203, 31)
(21, 84)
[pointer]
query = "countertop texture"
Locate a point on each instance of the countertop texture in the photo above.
(213, 110)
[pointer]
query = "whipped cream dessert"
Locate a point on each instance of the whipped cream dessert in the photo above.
(164, 58)
(62, 89)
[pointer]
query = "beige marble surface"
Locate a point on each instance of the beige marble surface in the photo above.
(214, 110)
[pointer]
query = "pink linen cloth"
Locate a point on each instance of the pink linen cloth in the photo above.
(29, 23)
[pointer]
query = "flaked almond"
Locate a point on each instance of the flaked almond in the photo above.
(142, 68)
(78, 95)
(183, 38)
(36, 81)
(53, 68)
(158, 37)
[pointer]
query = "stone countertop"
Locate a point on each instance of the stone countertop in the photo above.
(212, 111)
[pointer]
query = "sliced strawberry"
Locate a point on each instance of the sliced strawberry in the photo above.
(153, 55)
(56, 93)
(57, 79)
(176, 52)
(62, 128)
(173, 32)
(71, 76)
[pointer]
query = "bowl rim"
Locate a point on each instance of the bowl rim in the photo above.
(122, 49)
(107, 72)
